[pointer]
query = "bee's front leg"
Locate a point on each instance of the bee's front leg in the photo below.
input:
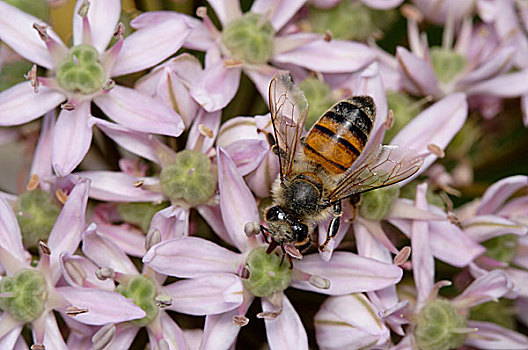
(334, 225)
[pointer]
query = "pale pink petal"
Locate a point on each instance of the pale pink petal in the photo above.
(66, 233)
(131, 240)
(79, 271)
(261, 179)
(105, 253)
(226, 10)
(483, 227)
(280, 12)
(437, 12)
(219, 330)
(216, 86)
(171, 222)
(206, 295)
(368, 246)
(333, 56)
(293, 41)
(247, 154)
(213, 216)
(103, 16)
(16, 30)
(436, 125)
(140, 112)
(124, 336)
(422, 259)
(118, 187)
(492, 336)
(149, 46)
(497, 194)
(9, 340)
(417, 76)
(103, 306)
(508, 85)
(488, 287)
(72, 136)
(237, 203)
(20, 104)
(499, 62)
(204, 119)
(520, 281)
(52, 334)
(134, 141)
(261, 77)
(189, 257)
(382, 4)
(41, 165)
(172, 333)
(349, 322)
(347, 273)
(286, 331)
(10, 236)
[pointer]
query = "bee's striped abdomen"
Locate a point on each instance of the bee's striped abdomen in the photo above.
(340, 135)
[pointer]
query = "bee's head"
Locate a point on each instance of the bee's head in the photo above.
(284, 228)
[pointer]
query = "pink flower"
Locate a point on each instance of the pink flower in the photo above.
(82, 74)
(261, 47)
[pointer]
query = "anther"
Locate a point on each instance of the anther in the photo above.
(240, 320)
(120, 30)
(233, 63)
(103, 336)
(108, 85)
(436, 150)
(201, 11)
(402, 255)
(38, 347)
(44, 249)
(41, 30)
(163, 301)
(74, 310)
(32, 77)
(138, 183)
(68, 106)
(205, 131)
(152, 238)
(412, 13)
(271, 315)
(33, 182)
(251, 228)
(319, 282)
(61, 196)
(105, 273)
(390, 119)
(327, 36)
(83, 9)
(245, 273)
(454, 219)
(293, 252)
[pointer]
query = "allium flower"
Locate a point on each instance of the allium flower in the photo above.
(376, 4)
(438, 11)
(254, 42)
(429, 330)
(29, 294)
(82, 73)
(258, 273)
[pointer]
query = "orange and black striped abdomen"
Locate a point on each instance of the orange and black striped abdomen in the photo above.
(340, 135)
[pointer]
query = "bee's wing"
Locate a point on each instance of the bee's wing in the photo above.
(385, 165)
(289, 109)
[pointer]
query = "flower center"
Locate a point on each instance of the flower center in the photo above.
(139, 214)
(266, 273)
(437, 324)
(502, 248)
(249, 38)
(447, 64)
(36, 215)
(142, 291)
(377, 204)
(191, 177)
(81, 72)
(351, 20)
(25, 293)
(319, 97)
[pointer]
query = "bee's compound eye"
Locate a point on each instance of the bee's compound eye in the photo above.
(300, 232)
(275, 213)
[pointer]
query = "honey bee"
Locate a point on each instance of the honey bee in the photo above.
(331, 163)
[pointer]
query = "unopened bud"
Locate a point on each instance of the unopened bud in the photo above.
(104, 336)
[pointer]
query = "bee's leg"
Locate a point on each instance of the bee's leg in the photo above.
(274, 146)
(283, 254)
(291, 262)
(272, 246)
(263, 230)
(334, 225)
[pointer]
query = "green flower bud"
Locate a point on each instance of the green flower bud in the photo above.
(502, 248)
(37, 8)
(191, 177)
(501, 312)
(351, 20)
(404, 109)
(81, 72)
(447, 64)
(142, 291)
(28, 294)
(250, 38)
(139, 214)
(36, 215)
(266, 273)
(377, 204)
(437, 324)
(319, 97)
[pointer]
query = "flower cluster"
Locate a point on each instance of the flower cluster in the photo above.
(394, 219)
